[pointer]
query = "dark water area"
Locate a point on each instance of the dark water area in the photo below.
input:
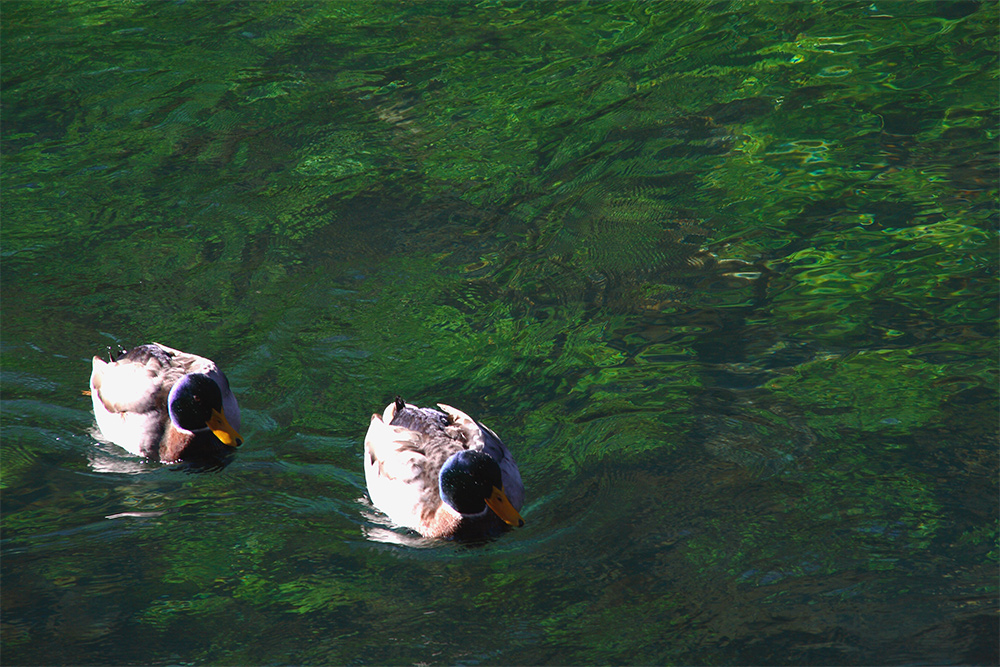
(722, 275)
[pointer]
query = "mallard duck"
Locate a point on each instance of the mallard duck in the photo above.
(442, 474)
(165, 405)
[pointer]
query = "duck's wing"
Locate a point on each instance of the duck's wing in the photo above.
(482, 438)
(129, 398)
(513, 487)
(463, 428)
(132, 383)
(401, 471)
(182, 362)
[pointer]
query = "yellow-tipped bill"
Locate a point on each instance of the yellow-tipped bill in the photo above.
(501, 506)
(223, 431)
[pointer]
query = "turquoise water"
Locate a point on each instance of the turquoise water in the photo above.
(723, 277)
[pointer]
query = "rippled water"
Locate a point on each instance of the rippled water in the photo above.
(723, 276)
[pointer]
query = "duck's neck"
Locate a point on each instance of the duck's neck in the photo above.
(173, 444)
(443, 522)
(447, 522)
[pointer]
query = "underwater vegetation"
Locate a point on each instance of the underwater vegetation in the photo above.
(723, 276)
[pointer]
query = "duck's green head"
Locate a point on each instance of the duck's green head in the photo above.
(470, 482)
(195, 403)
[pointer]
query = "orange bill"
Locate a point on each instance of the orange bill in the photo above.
(223, 431)
(501, 506)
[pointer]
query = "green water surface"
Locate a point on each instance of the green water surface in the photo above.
(722, 275)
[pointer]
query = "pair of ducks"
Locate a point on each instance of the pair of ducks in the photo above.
(440, 473)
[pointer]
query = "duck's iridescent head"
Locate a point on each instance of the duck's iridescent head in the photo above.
(471, 481)
(195, 403)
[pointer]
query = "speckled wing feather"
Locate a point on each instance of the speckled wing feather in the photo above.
(130, 384)
(400, 472)
(129, 400)
(463, 428)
